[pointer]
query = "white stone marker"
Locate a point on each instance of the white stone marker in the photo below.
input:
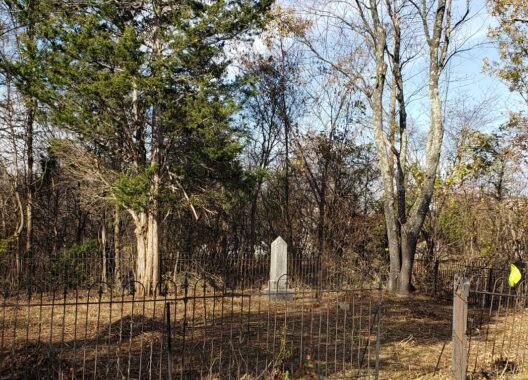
(278, 281)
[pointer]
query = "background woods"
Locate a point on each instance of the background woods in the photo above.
(142, 134)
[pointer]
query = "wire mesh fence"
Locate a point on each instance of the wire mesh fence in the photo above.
(194, 326)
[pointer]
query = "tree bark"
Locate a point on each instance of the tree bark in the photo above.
(31, 107)
(29, 179)
(103, 250)
(18, 256)
(147, 255)
(16, 182)
(147, 221)
(117, 247)
(379, 40)
(438, 43)
(408, 247)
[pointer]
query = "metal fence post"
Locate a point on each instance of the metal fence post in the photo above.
(435, 278)
(169, 342)
(378, 330)
(459, 360)
(489, 288)
(185, 301)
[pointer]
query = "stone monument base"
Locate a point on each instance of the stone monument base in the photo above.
(281, 292)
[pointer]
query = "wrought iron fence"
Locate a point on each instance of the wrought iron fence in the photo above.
(190, 328)
(243, 272)
(435, 278)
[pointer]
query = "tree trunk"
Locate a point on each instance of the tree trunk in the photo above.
(253, 219)
(408, 247)
(147, 259)
(20, 227)
(148, 270)
(387, 174)
(287, 130)
(403, 232)
(55, 216)
(29, 179)
(31, 106)
(393, 236)
(15, 187)
(103, 250)
(3, 219)
(117, 247)
(252, 226)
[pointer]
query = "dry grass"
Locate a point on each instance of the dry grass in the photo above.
(231, 334)
(416, 342)
(416, 331)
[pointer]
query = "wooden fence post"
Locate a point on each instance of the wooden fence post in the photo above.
(459, 360)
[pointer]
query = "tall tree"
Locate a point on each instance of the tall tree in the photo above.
(274, 107)
(145, 80)
(437, 29)
(368, 38)
(19, 38)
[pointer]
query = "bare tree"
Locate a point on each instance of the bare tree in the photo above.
(391, 41)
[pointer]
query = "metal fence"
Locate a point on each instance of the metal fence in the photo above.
(490, 338)
(191, 328)
(243, 271)
(435, 278)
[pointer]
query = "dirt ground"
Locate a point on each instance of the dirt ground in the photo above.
(416, 341)
(415, 335)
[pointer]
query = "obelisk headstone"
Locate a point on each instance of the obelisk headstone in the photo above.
(278, 281)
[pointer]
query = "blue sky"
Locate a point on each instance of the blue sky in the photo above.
(465, 84)
(465, 71)
(466, 78)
